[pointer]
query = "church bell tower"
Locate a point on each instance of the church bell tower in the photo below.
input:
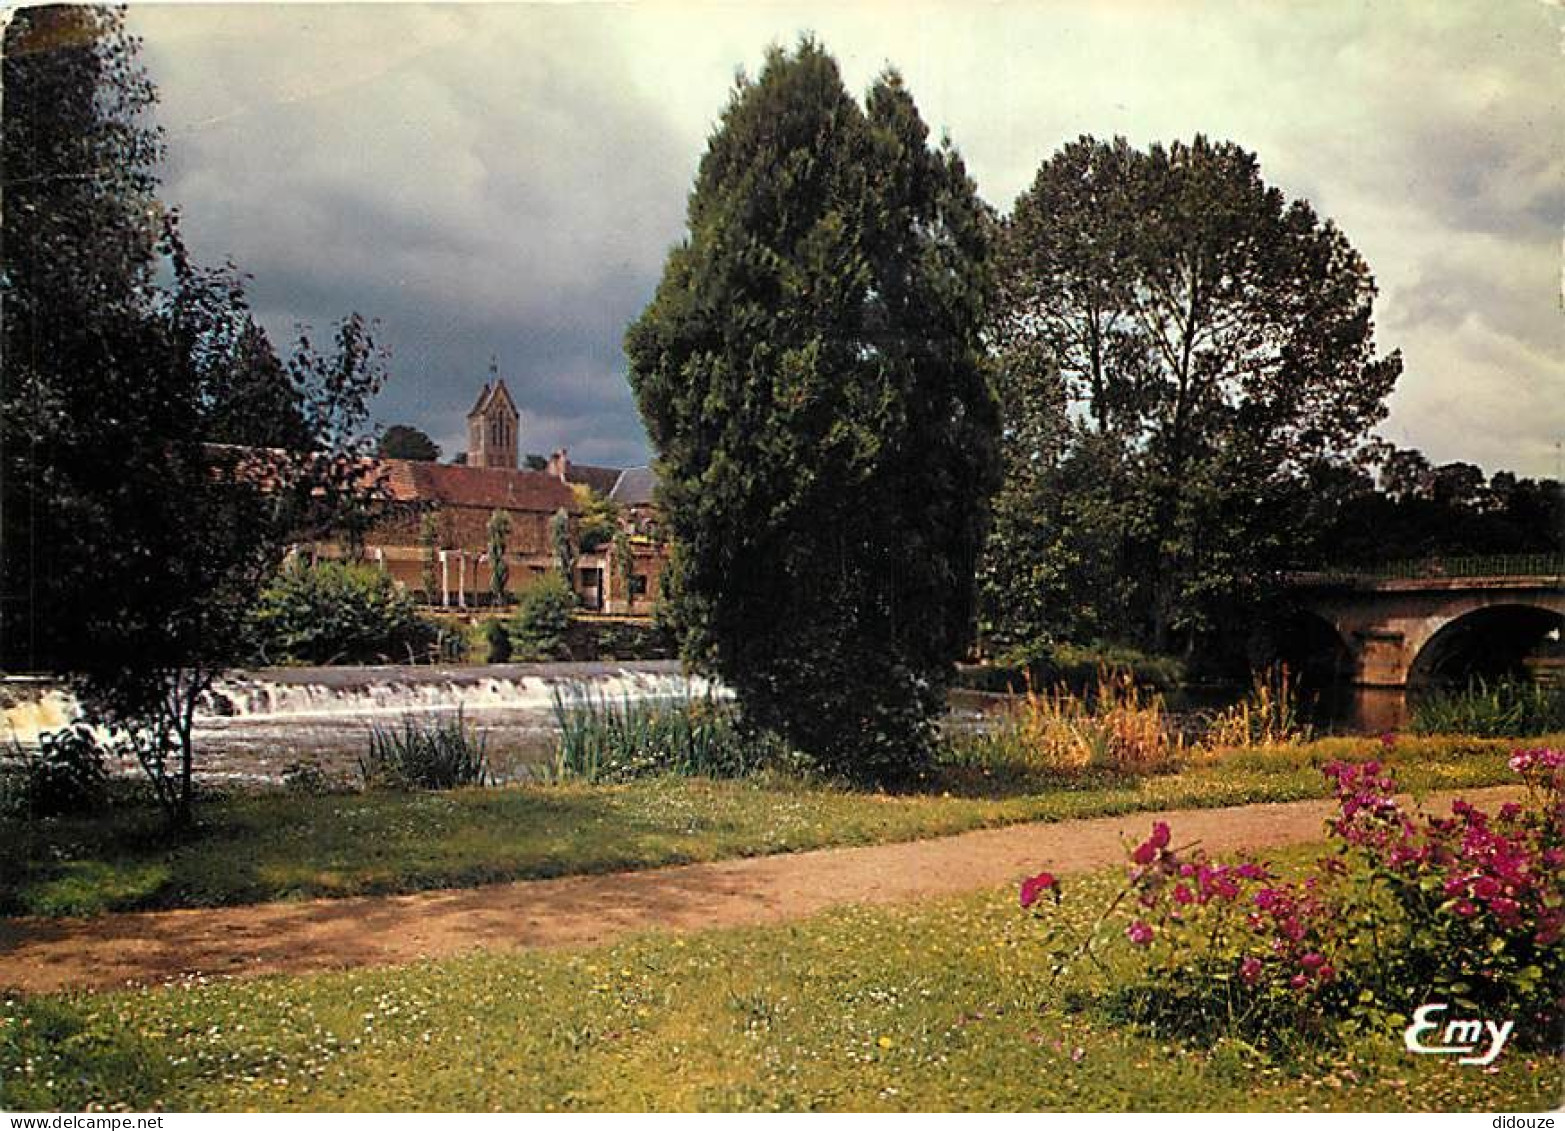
(492, 428)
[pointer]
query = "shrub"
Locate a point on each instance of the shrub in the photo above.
(1077, 667)
(426, 754)
(1466, 909)
(307, 776)
(604, 739)
(498, 639)
(451, 643)
(542, 618)
(336, 613)
(66, 774)
(1506, 708)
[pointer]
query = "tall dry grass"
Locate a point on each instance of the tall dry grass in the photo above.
(1119, 728)
(1271, 714)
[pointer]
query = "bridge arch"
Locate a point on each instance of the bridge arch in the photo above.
(1313, 647)
(1489, 641)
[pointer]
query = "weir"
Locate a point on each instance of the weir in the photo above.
(324, 693)
(252, 724)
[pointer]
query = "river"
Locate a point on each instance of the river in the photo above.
(252, 725)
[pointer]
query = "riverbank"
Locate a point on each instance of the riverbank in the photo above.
(257, 847)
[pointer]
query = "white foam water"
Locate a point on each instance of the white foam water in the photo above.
(271, 701)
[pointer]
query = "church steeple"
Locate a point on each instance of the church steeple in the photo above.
(492, 427)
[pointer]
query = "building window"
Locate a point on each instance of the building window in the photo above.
(638, 585)
(592, 582)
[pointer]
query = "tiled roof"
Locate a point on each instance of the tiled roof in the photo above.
(494, 488)
(600, 479)
(634, 487)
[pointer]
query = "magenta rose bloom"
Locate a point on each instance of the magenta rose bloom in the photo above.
(1035, 886)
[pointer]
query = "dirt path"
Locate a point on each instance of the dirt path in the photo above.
(38, 955)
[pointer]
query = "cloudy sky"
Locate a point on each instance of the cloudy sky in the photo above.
(505, 181)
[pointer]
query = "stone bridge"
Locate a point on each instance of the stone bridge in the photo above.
(1401, 631)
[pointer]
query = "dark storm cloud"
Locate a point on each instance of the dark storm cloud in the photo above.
(469, 187)
(507, 179)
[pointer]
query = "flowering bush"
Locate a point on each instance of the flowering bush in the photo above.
(1466, 909)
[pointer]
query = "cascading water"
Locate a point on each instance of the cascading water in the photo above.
(251, 725)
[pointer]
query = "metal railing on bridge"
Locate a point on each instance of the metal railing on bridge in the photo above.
(1422, 569)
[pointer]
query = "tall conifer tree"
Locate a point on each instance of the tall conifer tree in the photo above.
(811, 375)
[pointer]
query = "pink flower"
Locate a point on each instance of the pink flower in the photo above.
(1035, 886)
(1538, 758)
(1250, 970)
(1183, 894)
(1388, 740)
(1139, 933)
(1216, 881)
(1313, 961)
(1507, 911)
(1487, 887)
(1147, 850)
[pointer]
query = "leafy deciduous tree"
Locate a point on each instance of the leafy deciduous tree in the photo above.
(599, 518)
(402, 441)
(143, 508)
(1212, 343)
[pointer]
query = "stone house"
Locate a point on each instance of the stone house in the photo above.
(463, 497)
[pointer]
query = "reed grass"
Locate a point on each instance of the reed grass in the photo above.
(614, 739)
(426, 753)
(1506, 707)
(1271, 714)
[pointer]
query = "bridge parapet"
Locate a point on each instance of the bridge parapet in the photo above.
(1474, 571)
(1341, 582)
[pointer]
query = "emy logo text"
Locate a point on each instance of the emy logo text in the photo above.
(1460, 1038)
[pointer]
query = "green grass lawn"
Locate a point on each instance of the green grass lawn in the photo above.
(259, 847)
(944, 1005)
